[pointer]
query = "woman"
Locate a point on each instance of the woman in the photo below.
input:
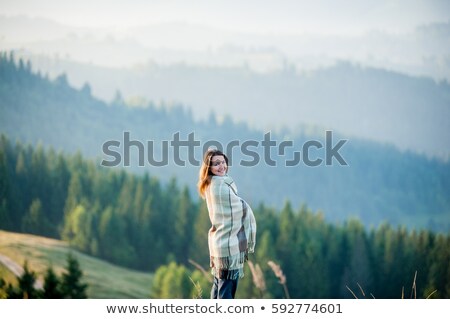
(233, 231)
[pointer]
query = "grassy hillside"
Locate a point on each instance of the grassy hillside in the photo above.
(105, 280)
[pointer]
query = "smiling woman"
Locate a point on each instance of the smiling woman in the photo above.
(233, 227)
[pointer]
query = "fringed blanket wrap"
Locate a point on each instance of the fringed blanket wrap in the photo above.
(233, 232)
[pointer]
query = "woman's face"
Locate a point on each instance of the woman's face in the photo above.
(218, 165)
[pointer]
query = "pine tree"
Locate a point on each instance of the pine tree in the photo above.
(34, 222)
(358, 267)
(75, 193)
(60, 184)
(5, 220)
(72, 286)
(183, 225)
(199, 251)
(266, 251)
(26, 284)
(78, 228)
(52, 288)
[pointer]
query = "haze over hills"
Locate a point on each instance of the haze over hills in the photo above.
(362, 84)
(388, 107)
(380, 182)
(375, 74)
(421, 51)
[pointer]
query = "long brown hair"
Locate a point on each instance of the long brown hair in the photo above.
(204, 176)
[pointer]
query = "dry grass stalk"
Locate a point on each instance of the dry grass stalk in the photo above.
(280, 275)
(431, 294)
(204, 272)
(362, 291)
(198, 288)
(351, 292)
(258, 277)
(277, 271)
(414, 288)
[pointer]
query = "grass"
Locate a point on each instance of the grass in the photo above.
(105, 280)
(7, 275)
(413, 290)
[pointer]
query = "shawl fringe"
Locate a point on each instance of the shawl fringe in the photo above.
(229, 267)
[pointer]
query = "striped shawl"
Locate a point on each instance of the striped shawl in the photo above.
(233, 232)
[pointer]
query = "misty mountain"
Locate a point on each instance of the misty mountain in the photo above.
(378, 183)
(423, 51)
(388, 107)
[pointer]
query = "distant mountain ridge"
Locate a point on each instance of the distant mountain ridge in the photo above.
(384, 106)
(422, 51)
(380, 183)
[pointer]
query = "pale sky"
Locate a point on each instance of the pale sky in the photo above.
(345, 17)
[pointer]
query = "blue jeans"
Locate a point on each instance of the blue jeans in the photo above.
(224, 288)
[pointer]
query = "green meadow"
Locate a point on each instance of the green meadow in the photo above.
(106, 281)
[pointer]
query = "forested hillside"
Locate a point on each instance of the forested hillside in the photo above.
(379, 184)
(136, 221)
(371, 103)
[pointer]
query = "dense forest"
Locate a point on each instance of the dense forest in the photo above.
(139, 222)
(381, 184)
